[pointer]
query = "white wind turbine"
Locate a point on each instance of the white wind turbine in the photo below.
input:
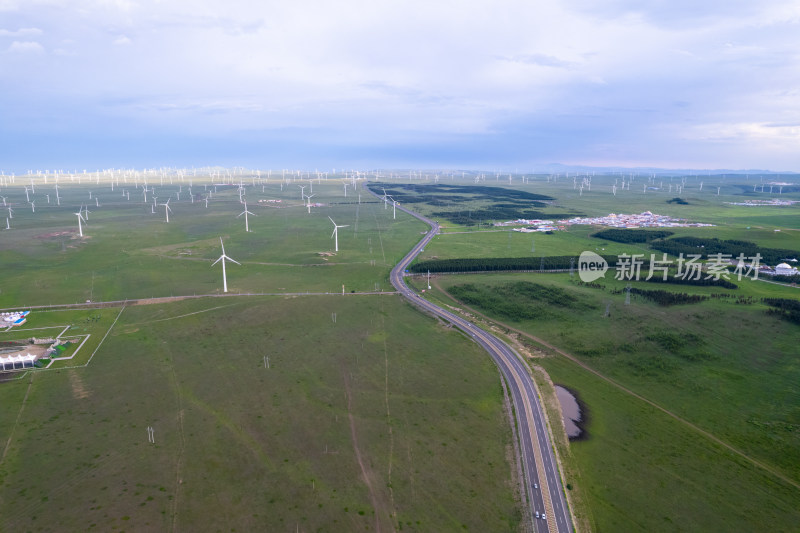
(335, 234)
(245, 213)
(33, 207)
(80, 218)
(166, 210)
(10, 213)
(308, 202)
(86, 213)
(222, 258)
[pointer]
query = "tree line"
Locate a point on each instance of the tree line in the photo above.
(784, 308)
(488, 264)
(705, 247)
(631, 235)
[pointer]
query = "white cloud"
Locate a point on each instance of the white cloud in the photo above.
(22, 32)
(25, 47)
(443, 67)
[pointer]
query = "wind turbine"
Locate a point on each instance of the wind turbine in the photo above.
(222, 258)
(308, 202)
(245, 213)
(166, 210)
(80, 217)
(335, 234)
(302, 190)
(4, 201)
(33, 207)
(10, 213)
(8, 224)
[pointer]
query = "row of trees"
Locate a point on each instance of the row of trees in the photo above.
(631, 235)
(705, 247)
(489, 264)
(702, 282)
(667, 298)
(784, 308)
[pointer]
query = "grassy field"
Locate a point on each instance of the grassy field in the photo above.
(128, 252)
(737, 383)
(369, 415)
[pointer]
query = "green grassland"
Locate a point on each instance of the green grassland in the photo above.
(245, 448)
(242, 447)
(728, 368)
(128, 252)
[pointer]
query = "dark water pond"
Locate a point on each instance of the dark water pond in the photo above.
(570, 412)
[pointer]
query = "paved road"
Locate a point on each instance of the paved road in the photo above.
(543, 482)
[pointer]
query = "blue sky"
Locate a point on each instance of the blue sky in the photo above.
(504, 84)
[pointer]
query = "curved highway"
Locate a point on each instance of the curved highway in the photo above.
(542, 480)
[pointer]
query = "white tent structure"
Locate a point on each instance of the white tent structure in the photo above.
(16, 362)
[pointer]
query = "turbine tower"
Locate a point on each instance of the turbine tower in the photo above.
(335, 234)
(80, 218)
(167, 209)
(245, 213)
(222, 258)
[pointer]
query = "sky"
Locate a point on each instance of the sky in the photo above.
(501, 84)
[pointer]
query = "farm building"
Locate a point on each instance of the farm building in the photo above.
(16, 362)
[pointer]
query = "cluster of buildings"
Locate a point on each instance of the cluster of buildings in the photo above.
(15, 318)
(531, 225)
(642, 220)
(764, 203)
(783, 269)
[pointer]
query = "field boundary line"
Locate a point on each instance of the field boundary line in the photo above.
(78, 349)
(181, 316)
(104, 336)
(621, 387)
(16, 422)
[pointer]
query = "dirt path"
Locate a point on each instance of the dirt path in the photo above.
(624, 389)
(393, 513)
(16, 422)
(179, 460)
(378, 507)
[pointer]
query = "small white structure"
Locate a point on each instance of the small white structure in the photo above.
(16, 362)
(785, 269)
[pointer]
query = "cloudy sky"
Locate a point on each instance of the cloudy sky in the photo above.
(435, 83)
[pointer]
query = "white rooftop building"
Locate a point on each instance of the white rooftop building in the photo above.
(785, 269)
(16, 362)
